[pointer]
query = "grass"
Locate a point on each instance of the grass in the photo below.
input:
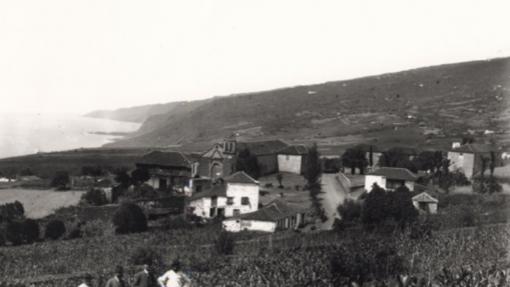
(40, 203)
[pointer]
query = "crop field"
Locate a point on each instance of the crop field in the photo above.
(40, 203)
(285, 260)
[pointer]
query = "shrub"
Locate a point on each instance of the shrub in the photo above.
(60, 180)
(11, 211)
(129, 218)
(350, 210)
(94, 228)
(486, 185)
(55, 229)
(224, 244)
(175, 222)
(95, 197)
(22, 232)
(146, 255)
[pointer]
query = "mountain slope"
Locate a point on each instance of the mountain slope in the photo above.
(445, 101)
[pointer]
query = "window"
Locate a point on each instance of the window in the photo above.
(237, 212)
(230, 200)
(214, 200)
(245, 200)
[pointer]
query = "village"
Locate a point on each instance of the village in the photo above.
(261, 186)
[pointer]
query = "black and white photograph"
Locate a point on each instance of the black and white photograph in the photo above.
(243, 143)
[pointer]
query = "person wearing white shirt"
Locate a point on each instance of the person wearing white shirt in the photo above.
(174, 277)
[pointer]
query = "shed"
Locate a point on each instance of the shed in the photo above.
(425, 202)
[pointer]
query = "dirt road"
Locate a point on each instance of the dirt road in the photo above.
(332, 195)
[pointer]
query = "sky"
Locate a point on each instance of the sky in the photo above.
(75, 56)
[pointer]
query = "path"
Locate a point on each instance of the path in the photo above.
(332, 195)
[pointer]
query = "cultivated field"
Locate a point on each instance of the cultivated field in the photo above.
(40, 203)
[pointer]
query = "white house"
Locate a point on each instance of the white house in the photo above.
(237, 194)
(390, 178)
(292, 159)
(277, 215)
(468, 158)
(425, 202)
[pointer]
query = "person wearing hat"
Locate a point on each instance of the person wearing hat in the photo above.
(87, 281)
(117, 280)
(144, 278)
(174, 277)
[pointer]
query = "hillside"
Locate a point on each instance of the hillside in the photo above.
(412, 107)
(140, 114)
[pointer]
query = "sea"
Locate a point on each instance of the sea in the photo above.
(22, 134)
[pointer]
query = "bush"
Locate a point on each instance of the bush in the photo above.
(60, 180)
(146, 255)
(95, 197)
(224, 244)
(55, 229)
(129, 218)
(350, 210)
(175, 222)
(94, 228)
(11, 211)
(486, 185)
(22, 232)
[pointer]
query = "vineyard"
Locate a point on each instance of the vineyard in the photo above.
(319, 259)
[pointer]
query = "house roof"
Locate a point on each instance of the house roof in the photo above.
(215, 190)
(262, 147)
(170, 159)
(240, 177)
(425, 197)
(395, 173)
(273, 211)
(475, 148)
(105, 182)
(294, 150)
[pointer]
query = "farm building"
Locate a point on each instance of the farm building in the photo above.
(390, 178)
(236, 194)
(220, 160)
(425, 202)
(293, 159)
(106, 186)
(277, 215)
(469, 158)
(169, 170)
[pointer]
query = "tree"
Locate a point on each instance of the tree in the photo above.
(22, 232)
(393, 157)
(279, 177)
(55, 229)
(11, 211)
(248, 163)
(375, 208)
(313, 167)
(94, 171)
(129, 218)
(140, 175)
(355, 158)
(349, 210)
(402, 208)
(122, 177)
(95, 197)
(60, 180)
(429, 161)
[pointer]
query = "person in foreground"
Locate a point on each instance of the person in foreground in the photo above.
(117, 280)
(87, 281)
(174, 277)
(145, 278)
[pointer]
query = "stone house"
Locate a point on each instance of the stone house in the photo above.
(390, 178)
(233, 195)
(293, 159)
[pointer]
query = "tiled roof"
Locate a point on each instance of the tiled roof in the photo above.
(475, 148)
(274, 211)
(216, 190)
(425, 197)
(294, 150)
(240, 177)
(262, 147)
(395, 173)
(169, 159)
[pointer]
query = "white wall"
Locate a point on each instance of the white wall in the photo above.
(371, 179)
(236, 225)
(289, 163)
(202, 206)
(410, 185)
(462, 161)
(237, 191)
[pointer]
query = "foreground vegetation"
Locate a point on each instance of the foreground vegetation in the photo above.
(319, 259)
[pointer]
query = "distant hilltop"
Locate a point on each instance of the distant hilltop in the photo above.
(416, 106)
